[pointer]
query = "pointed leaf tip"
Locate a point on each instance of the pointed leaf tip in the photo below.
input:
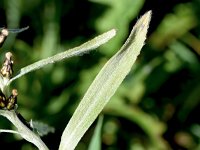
(144, 21)
(105, 85)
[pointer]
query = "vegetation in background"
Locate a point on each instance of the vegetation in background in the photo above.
(158, 102)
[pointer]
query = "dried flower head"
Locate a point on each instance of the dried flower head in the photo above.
(7, 68)
(12, 100)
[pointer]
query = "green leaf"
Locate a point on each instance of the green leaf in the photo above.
(105, 85)
(80, 50)
(96, 138)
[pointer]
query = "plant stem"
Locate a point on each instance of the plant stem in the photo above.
(8, 131)
(23, 130)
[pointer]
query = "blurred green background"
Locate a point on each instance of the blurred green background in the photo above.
(156, 107)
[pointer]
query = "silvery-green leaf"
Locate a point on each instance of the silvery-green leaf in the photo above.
(105, 85)
(80, 50)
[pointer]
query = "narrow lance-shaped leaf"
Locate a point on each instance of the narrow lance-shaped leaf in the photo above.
(105, 85)
(95, 142)
(80, 50)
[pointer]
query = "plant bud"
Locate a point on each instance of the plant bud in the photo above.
(7, 68)
(2, 100)
(12, 100)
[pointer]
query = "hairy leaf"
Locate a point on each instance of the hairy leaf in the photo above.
(105, 85)
(80, 50)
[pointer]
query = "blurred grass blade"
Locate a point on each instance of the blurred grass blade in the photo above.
(80, 50)
(105, 85)
(96, 138)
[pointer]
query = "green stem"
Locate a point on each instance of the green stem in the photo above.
(23, 130)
